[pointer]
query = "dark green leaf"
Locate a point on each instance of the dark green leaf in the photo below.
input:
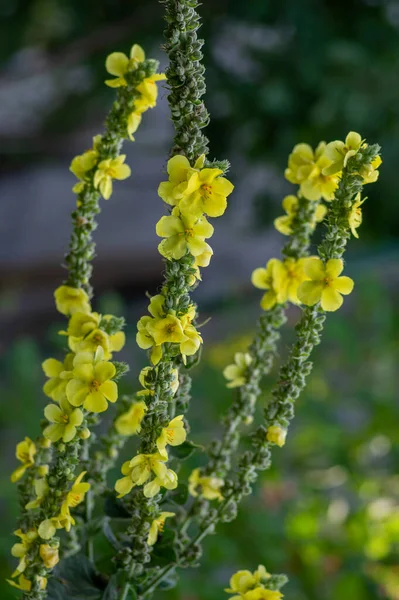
(115, 585)
(114, 508)
(185, 450)
(109, 534)
(169, 582)
(78, 580)
(179, 495)
(163, 555)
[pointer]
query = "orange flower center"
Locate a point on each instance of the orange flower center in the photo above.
(94, 385)
(65, 418)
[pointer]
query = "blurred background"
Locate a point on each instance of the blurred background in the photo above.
(277, 74)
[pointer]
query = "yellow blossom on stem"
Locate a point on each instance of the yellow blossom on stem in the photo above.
(81, 324)
(118, 64)
(25, 584)
(355, 216)
(183, 233)
(107, 170)
(133, 122)
(209, 195)
(207, 487)
(41, 489)
(64, 419)
(306, 168)
(270, 279)
(145, 340)
(290, 205)
(25, 453)
(325, 285)
(59, 373)
(76, 494)
(166, 330)
(292, 275)
(261, 593)
(370, 172)
(339, 152)
(49, 555)
(241, 582)
(83, 163)
(180, 172)
(157, 527)
(92, 385)
(69, 300)
(276, 435)
(48, 527)
(21, 549)
(237, 372)
(140, 469)
(129, 423)
(173, 434)
(149, 92)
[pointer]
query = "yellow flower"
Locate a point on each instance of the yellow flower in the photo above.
(21, 549)
(49, 555)
(209, 486)
(59, 373)
(240, 583)
(180, 172)
(129, 423)
(237, 372)
(139, 470)
(25, 453)
(290, 205)
(355, 216)
(370, 172)
(91, 385)
(145, 340)
(306, 168)
(83, 163)
(292, 276)
(70, 300)
(149, 92)
(325, 285)
(209, 195)
(192, 342)
(76, 494)
(270, 279)
(183, 233)
(261, 593)
(81, 324)
(107, 170)
(173, 434)
(339, 152)
(276, 435)
(25, 584)
(119, 64)
(41, 489)
(133, 122)
(166, 330)
(48, 527)
(64, 419)
(157, 526)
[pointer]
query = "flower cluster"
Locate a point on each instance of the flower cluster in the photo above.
(96, 166)
(195, 192)
(259, 585)
(167, 327)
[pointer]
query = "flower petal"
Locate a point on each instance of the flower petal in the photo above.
(53, 413)
(344, 285)
(309, 292)
(331, 300)
(110, 390)
(117, 63)
(334, 267)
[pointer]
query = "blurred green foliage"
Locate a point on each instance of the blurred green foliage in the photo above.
(327, 512)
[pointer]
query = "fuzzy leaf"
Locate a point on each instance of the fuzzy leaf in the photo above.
(179, 495)
(115, 508)
(77, 580)
(184, 451)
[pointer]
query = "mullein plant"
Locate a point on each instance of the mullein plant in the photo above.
(153, 519)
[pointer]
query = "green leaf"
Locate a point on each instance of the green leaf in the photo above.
(179, 495)
(163, 555)
(185, 450)
(115, 508)
(109, 534)
(115, 585)
(169, 582)
(77, 580)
